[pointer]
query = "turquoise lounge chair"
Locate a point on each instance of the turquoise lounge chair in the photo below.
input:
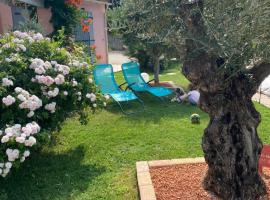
(104, 78)
(136, 83)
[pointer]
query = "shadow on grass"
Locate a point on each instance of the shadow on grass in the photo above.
(155, 109)
(50, 176)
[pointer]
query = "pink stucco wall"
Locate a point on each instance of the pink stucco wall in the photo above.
(44, 16)
(100, 28)
(6, 22)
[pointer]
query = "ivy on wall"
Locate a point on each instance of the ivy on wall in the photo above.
(65, 13)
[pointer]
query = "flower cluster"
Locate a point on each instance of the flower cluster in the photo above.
(6, 82)
(30, 102)
(36, 91)
(86, 24)
(8, 100)
(21, 135)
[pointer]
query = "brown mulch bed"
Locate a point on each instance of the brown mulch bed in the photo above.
(184, 182)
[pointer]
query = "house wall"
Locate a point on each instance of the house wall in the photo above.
(6, 22)
(44, 16)
(100, 28)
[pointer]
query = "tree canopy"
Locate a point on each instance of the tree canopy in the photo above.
(224, 46)
(236, 31)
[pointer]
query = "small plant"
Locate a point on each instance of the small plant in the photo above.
(195, 118)
(31, 25)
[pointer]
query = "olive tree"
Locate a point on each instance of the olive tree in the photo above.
(142, 26)
(227, 57)
(225, 48)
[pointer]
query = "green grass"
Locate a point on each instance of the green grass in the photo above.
(97, 161)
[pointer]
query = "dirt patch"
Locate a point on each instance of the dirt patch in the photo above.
(184, 182)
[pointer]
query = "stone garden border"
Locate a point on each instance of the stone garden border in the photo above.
(146, 187)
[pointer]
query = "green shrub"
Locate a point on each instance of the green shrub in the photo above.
(41, 84)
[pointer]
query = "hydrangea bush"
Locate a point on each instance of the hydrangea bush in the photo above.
(41, 84)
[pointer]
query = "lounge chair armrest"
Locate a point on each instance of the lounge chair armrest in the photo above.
(150, 81)
(120, 86)
(129, 86)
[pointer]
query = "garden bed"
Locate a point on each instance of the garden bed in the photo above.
(184, 181)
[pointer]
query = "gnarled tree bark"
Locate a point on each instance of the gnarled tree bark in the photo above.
(230, 142)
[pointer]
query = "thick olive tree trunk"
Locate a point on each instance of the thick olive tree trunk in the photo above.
(230, 142)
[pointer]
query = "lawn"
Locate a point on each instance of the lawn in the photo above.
(97, 161)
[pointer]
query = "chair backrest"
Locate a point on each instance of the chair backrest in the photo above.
(132, 75)
(104, 78)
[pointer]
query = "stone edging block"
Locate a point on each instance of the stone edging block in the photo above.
(146, 188)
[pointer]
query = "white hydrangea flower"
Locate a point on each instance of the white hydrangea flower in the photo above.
(9, 100)
(47, 65)
(30, 114)
(21, 97)
(46, 80)
(40, 70)
(38, 37)
(26, 153)
(21, 47)
(60, 79)
(9, 131)
(53, 62)
(74, 83)
(18, 90)
(91, 96)
(53, 93)
(4, 139)
(22, 159)
(12, 154)
(8, 165)
(20, 139)
(51, 107)
(31, 102)
(7, 82)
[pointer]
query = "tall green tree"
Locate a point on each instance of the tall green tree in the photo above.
(143, 27)
(225, 46)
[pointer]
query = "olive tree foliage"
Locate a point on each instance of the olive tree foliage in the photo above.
(143, 27)
(225, 47)
(236, 30)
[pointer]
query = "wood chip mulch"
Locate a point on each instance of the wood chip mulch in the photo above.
(184, 182)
